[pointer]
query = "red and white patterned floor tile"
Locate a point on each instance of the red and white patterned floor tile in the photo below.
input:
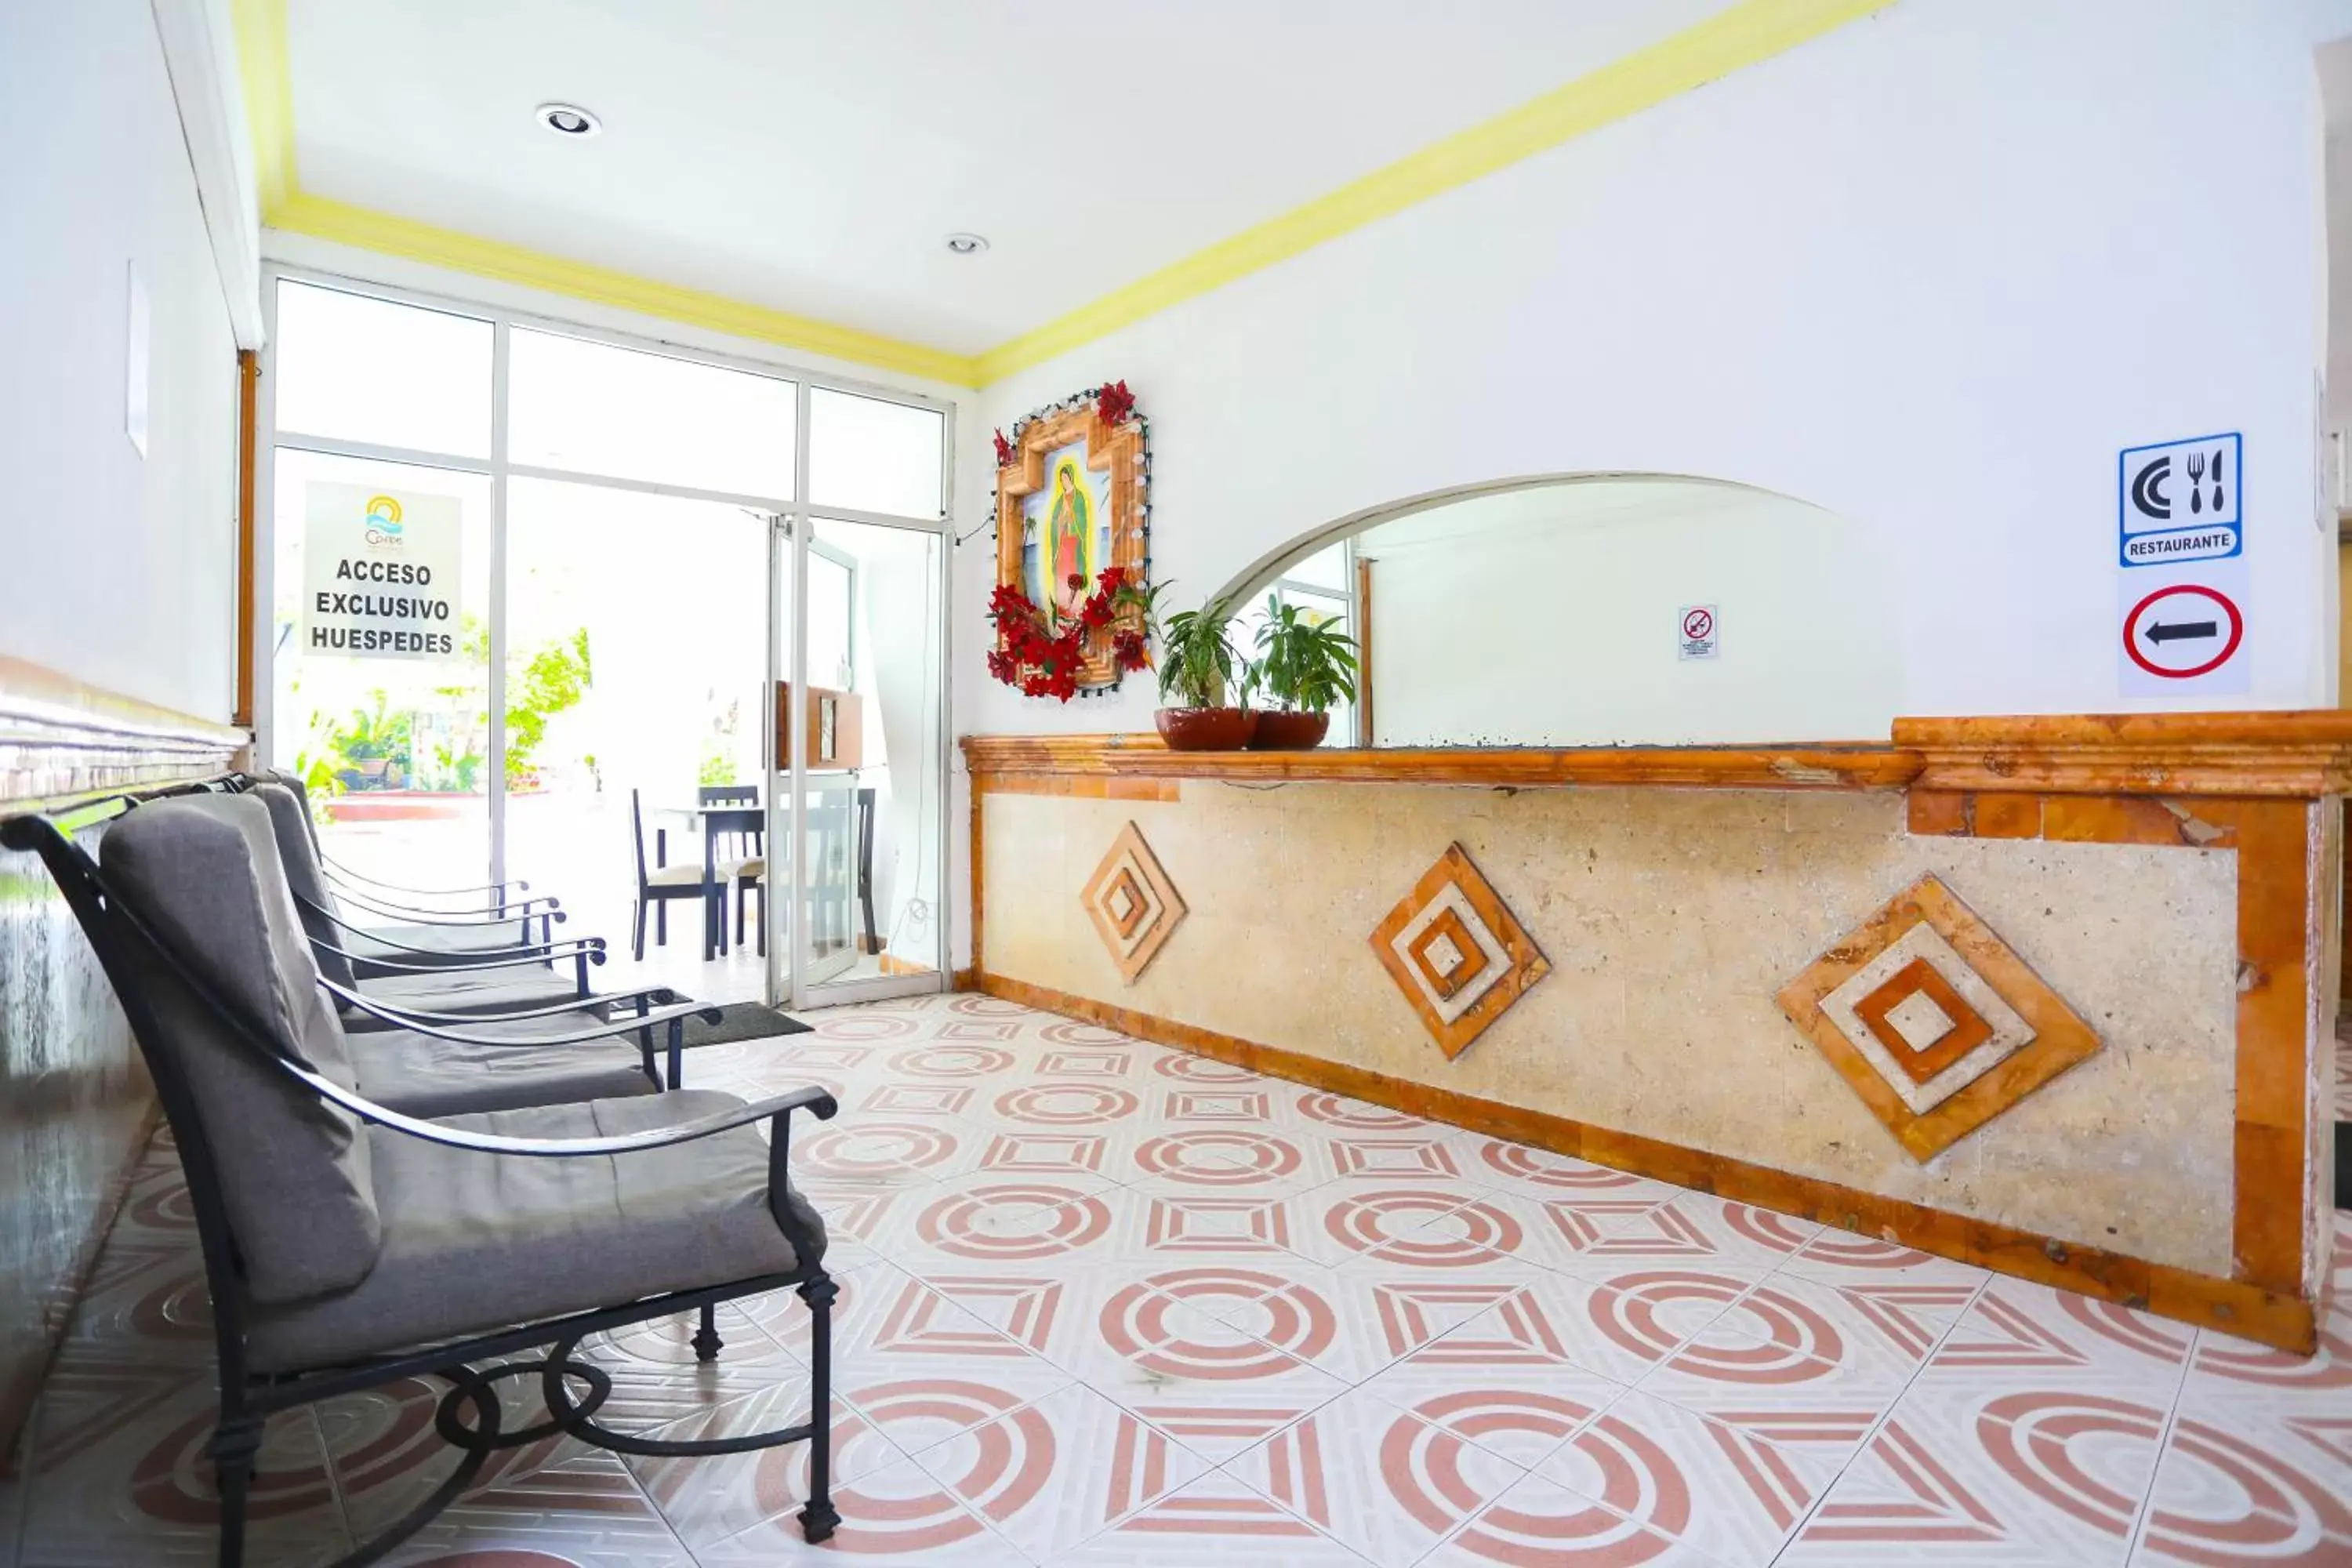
(1107, 1304)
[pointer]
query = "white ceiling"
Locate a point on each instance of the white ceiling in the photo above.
(812, 155)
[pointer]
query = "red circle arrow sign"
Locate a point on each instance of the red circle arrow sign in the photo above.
(2183, 631)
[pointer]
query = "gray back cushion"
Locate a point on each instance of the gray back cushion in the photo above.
(307, 879)
(202, 873)
(293, 782)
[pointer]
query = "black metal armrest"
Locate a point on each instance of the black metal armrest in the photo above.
(526, 946)
(343, 873)
(657, 995)
(374, 895)
(590, 947)
(471, 919)
(817, 1101)
(628, 1025)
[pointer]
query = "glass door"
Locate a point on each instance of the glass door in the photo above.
(873, 756)
(558, 605)
(862, 664)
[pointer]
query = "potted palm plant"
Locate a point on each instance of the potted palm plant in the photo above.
(1198, 667)
(1305, 664)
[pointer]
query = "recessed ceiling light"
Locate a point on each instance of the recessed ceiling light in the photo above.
(967, 244)
(569, 119)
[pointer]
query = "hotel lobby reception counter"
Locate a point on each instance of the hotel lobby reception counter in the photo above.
(2055, 995)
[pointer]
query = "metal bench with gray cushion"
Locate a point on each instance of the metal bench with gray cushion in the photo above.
(458, 921)
(468, 982)
(403, 949)
(347, 1245)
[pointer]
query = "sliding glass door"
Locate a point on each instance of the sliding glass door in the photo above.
(543, 597)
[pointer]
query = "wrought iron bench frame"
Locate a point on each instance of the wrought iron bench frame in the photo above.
(248, 1398)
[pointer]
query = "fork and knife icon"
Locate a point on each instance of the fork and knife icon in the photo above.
(2198, 464)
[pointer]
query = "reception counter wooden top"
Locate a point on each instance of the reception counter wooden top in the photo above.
(2252, 753)
(2052, 994)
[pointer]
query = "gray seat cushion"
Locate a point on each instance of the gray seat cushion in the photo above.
(678, 876)
(474, 993)
(421, 1075)
(459, 941)
(203, 871)
(474, 1242)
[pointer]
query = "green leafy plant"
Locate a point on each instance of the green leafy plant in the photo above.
(1304, 660)
(371, 752)
(320, 783)
(1198, 661)
(551, 681)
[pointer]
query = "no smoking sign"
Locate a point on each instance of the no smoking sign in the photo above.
(1697, 635)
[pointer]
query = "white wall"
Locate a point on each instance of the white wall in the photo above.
(119, 570)
(1550, 617)
(1929, 272)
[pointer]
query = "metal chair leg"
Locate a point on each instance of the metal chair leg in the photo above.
(661, 922)
(706, 1343)
(232, 1447)
(638, 939)
(819, 1517)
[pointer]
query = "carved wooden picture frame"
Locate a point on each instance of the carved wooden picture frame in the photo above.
(1117, 451)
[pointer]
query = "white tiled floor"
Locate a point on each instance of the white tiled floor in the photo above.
(1104, 1303)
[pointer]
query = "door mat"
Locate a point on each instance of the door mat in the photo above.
(2344, 1164)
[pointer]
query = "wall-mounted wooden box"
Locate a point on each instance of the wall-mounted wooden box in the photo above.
(835, 736)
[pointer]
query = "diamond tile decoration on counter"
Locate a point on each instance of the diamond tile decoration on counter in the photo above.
(1456, 953)
(1134, 905)
(1933, 1020)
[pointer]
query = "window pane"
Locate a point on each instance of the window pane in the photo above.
(368, 370)
(381, 661)
(1318, 608)
(1326, 568)
(829, 613)
(596, 409)
(874, 456)
(612, 703)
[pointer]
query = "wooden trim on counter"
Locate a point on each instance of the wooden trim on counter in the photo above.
(61, 740)
(2306, 753)
(2293, 754)
(1142, 757)
(2248, 1310)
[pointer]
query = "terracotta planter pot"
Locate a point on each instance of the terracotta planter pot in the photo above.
(1279, 730)
(1206, 728)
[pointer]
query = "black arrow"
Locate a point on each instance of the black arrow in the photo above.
(2161, 633)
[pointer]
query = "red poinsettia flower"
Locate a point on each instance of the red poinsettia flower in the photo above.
(1115, 403)
(1003, 451)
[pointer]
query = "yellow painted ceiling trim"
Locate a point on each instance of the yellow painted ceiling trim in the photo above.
(1742, 36)
(389, 235)
(268, 81)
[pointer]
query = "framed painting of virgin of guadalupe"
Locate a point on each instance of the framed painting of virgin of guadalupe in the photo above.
(1072, 527)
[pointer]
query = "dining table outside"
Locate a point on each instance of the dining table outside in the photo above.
(828, 811)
